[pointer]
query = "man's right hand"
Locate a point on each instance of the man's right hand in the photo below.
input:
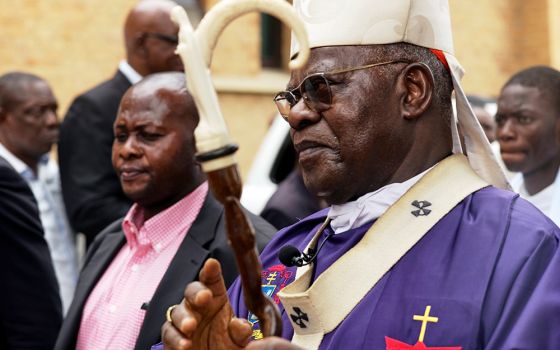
(204, 319)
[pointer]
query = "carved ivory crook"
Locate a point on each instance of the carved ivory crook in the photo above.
(196, 47)
(214, 145)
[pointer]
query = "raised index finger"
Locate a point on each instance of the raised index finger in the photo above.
(202, 299)
(211, 277)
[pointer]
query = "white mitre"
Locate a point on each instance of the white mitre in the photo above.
(424, 23)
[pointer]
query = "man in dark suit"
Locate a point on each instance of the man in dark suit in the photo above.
(92, 194)
(31, 311)
(139, 265)
(291, 202)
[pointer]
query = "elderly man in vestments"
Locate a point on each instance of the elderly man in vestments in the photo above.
(421, 248)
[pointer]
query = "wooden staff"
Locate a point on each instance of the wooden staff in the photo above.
(215, 149)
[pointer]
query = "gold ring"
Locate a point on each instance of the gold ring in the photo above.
(169, 311)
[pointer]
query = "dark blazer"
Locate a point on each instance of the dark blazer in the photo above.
(30, 307)
(206, 239)
(91, 189)
(290, 203)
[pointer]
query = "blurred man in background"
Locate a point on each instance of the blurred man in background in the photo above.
(528, 121)
(484, 110)
(485, 118)
(291, 202)
(92, 192)
(28, 129)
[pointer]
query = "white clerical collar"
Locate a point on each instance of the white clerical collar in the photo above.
(21, 168)
(368, 207)
(130, 73)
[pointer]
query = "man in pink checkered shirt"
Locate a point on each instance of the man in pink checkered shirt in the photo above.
(139, 265)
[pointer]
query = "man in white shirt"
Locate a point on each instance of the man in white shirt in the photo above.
(28, 129)
(528, 130)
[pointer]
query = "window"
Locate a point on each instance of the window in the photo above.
(271, 42)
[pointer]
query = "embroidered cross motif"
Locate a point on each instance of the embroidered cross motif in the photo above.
(300, 317)
(425, 319)
(271, 277)
(421, 205)
(393, 344)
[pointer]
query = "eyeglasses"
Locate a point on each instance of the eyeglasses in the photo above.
(315, 90)
(172, 39)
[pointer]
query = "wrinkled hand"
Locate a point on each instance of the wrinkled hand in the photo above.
(204, 319)
(272, 343)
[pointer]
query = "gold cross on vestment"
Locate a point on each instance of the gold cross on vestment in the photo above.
(271, 277)
(425, 319)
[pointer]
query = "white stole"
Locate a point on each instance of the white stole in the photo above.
(318, 309)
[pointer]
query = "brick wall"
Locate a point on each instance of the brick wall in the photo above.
(73, 44)
(554, 32)
(531, 30)
(78, 43)
(495, 39)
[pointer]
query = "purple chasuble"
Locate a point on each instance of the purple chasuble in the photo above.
(485, 269)
(489, 270)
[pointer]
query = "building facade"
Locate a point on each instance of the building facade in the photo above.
(77, 43)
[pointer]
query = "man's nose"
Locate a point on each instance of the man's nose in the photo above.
(129, 148)
(507, 131)
(51, 118)
(301, 115)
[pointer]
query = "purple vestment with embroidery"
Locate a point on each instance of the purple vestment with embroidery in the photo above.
(490, 270)
(486, 269)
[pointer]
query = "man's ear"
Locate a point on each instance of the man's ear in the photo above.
(417, 84)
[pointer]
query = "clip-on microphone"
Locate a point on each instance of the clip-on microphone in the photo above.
(291, 256)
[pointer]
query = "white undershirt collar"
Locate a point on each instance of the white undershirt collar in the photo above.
(130, 73)
(546, 199)
(14, 161)
(368, 207)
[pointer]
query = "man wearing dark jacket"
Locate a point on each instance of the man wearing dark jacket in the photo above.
(31, 311)
(139, 265)
(92, 193)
